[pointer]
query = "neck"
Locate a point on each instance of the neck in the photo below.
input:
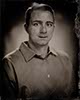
(39, 50)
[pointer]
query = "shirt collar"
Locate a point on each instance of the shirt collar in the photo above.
(53, 51)
(28, 54)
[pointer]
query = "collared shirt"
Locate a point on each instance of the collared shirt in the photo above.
(52, 75)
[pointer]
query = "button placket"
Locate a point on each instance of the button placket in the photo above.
(48, 74)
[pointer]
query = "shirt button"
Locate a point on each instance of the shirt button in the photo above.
(48, 75)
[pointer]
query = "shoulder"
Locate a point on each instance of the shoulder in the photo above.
(12, 56)
(65, 60)
(59, 53)
(63, 57)
(12, 62)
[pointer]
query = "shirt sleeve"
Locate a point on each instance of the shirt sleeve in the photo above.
(9, 80)
(72, 87)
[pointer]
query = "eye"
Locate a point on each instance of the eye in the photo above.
(49, 24)
(35, 24)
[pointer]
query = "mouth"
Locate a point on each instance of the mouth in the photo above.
(42, 36)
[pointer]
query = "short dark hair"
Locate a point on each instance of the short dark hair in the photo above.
(36, 6)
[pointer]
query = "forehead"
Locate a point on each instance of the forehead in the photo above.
(41, 15)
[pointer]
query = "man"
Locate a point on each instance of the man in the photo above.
(35, 71)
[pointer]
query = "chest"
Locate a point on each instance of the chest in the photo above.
(44, 74)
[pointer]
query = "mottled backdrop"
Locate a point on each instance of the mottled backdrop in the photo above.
(65, 37)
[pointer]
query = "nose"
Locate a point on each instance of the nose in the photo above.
(43, 29)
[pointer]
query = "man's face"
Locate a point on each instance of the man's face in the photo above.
(41, 27)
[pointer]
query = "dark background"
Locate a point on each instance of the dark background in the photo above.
(12, 11)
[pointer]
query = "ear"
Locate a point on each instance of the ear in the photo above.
(26, 27)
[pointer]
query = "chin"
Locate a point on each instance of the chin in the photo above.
(43, 43)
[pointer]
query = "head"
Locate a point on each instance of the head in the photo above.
(39, 24)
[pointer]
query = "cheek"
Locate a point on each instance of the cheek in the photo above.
(34, 31)
(50, 31)
(31, 31)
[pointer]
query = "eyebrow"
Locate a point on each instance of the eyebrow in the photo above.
(50, 22)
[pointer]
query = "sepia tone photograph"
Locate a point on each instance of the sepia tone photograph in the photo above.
(40, 50)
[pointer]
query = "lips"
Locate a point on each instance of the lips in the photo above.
(42, 36)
